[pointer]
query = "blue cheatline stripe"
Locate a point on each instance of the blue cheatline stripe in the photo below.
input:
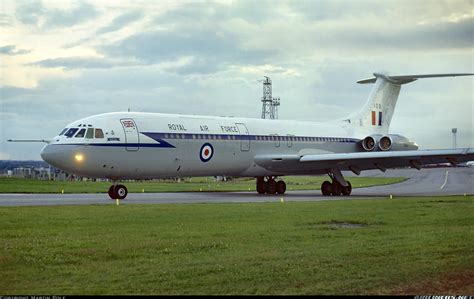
(380, 118)
(194, 136)
(161, 143)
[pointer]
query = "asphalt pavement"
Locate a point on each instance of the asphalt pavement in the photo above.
(426, 182)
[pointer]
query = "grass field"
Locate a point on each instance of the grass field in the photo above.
(15, 185)
(416, 245)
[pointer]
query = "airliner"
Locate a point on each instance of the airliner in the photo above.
(135, 145)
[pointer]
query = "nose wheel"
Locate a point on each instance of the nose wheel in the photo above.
(118, 192)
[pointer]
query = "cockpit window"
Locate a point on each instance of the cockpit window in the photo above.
(63, 131)
(90, 133)
(71, 132)
(81, 133)
(99, 133)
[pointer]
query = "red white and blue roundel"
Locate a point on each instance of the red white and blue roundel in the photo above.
(206, 152)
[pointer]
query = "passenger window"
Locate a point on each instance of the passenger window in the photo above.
(81, 133)
(63, 131)
(90, 133)
(99, 133)
(71, 132)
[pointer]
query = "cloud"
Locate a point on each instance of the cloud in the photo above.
(212, 50)
(420, 37)
(36, 14)
(120, 21)
(30, 13)
(9, 92)
(65, 18)
(195, 12)
(117, 23)
(11, 50)
(5, 20)
(80, 63)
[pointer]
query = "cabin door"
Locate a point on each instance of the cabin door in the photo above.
(131, 134)
(244, 137)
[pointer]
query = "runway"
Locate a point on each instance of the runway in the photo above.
(427, 182)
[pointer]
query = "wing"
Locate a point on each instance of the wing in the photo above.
(320, 163)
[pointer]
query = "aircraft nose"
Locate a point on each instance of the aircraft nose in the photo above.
(67, 158)
(47, 154)
(56, 156)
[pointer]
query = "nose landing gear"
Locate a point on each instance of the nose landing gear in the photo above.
(118, 192)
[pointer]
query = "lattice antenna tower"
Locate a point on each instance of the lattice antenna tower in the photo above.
(269, 104)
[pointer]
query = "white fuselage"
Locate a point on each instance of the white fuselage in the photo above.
(154, 145)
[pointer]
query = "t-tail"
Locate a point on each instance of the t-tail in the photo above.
(375, 117)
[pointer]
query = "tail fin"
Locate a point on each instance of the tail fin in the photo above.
(376, 115)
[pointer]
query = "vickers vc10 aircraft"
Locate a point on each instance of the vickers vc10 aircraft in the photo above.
(132, 145)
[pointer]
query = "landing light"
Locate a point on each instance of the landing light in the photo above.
(79, 157)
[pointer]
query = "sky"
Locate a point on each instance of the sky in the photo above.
(61, 61)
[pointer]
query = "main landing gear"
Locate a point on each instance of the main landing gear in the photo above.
(339, 185)
(118, 191)
(268, 185)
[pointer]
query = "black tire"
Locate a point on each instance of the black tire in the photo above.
(336, 189)
(121, 191)
(260, 187)
(346, 191)
(271, 187)
(111, 192)
(280, 187)
(326, 188)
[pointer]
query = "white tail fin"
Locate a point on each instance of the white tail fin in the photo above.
(376, 115)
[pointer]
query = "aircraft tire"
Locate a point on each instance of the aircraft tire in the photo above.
(280, 187)
(121, 191)
(336, 189)
(326, 188)
(111, 192)
(271, 187)
(261, 187)
(346, 191)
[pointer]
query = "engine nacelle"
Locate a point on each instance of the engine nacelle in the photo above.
(369, 143)
(393, 142)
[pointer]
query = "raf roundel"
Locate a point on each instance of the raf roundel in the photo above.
(206, 152)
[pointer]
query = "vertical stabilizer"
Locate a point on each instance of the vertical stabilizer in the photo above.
(376, 115)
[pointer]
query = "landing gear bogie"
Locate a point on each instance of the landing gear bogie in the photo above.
(336, 188)
(270, 186)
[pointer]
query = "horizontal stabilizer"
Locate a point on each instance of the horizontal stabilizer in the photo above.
(407, 78)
